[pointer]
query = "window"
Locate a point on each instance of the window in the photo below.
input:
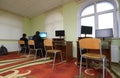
(99, 15)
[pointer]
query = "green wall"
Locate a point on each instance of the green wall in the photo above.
(38, 23)
(70, 24)
(27, 26)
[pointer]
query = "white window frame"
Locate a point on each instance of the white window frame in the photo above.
(115, 14)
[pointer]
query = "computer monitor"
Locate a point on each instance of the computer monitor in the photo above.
(86, 30)
(43, 34)
(30, 37)
(60, 33)
(104, 33)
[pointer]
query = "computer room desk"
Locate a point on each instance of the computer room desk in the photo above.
(66, 47)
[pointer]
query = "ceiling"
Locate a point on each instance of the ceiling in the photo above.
(30, 8)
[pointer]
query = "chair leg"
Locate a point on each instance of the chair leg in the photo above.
(103, 68)
(29, 52)
(35, 54)
(45, 55)
(25, 51)
(106, 67)
(54, 60)
(61, 56)
(86, 63)
(41, 52)
(80, 66)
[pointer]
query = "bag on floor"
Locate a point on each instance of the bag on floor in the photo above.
(0, 51)
(4, 50)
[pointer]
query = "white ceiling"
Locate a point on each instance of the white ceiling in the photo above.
(30, 8)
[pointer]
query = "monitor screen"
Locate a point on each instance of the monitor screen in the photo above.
(30, 37)
(59, 33)
(43, 34)
(100, 33)
(86, 29)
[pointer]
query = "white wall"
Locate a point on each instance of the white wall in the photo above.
(11, 29)
(11, 26)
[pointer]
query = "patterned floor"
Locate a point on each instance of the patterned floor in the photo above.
(6, 66)
(28, 67)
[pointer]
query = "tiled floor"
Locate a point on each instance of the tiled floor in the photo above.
(116, 68)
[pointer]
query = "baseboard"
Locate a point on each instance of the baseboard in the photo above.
(12, 51)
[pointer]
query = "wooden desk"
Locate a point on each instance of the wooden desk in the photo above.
(66, 47)
(105, 50)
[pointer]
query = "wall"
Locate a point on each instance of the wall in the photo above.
(30, 26)
(69, 12)
(38, 23)
(11, 36)
(70, 23)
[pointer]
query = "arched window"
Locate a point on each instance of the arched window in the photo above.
(54, 21)
(100, 15)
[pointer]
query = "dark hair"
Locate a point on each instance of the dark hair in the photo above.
(24, 34)
(37, 32)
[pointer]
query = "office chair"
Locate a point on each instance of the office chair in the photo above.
(94, 44)
(22, 46)
(48, 45)
(32, 47)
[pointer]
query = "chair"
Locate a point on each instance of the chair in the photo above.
(22, 46)
(94, 44)
(48, 44)
(32, 47)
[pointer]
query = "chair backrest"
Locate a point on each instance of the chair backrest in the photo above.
(21, 43)
(90, 43)
(31, 44)
(48, 43)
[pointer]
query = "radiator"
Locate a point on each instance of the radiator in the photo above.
(115, 53)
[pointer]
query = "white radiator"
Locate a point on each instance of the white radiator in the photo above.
(115, 53)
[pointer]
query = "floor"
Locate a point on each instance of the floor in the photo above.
(116, 69)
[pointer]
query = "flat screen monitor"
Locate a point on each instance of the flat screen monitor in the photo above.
(30, 37)
(86, 30)
(104, 33)
(43, 34)
(59, 33)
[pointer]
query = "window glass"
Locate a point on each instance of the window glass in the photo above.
(88, 10)
(104, 6)
(105, 21)
(88, 21)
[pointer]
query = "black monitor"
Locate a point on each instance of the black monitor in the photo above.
(60, 33)
(43, 34)
(104, 33)
(86, 30)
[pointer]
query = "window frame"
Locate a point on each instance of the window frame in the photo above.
(94, 2)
